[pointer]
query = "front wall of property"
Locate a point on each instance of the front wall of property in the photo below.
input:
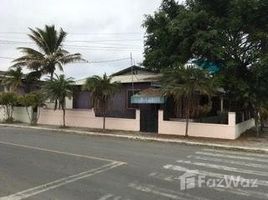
(87, 119)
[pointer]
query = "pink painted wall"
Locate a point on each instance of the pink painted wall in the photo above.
(221, 131)
(87, 119)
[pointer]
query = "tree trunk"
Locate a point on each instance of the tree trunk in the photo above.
(104, 116)
(63, 116)
(187, 118)
(51, 75)
(257, 123)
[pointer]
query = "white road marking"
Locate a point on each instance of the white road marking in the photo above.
(222, 167)
(229, 161)
(237, 153)
(170, 194)
(232, 156)
(206, 173)
(254, 194)
(60, 182)
(237, 191)
(117, 198)
(59, 152)
(106, 197)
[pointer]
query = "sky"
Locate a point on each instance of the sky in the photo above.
(105, 32)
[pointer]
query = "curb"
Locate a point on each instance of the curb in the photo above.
(142, 138)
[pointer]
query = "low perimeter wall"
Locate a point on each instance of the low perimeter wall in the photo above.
(221, 131)
(19, 114)
(87, 119)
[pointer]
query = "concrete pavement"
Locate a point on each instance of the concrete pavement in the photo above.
(38, 164)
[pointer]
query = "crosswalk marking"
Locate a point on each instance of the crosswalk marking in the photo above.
(222, 167)
(105, 197)
(170, 194)
(232, 156)
(237, 153)
(255, 194)
(237, 191)
(206, 173)
(111, 197)
(228, 161)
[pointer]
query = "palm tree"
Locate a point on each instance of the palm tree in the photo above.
(185, 82)
(14, 79)
(50, 53)
(101, 89)
(57, 90)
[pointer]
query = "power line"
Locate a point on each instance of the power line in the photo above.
(93, 47)
(88, 33)
(89, 62)
(8, 58)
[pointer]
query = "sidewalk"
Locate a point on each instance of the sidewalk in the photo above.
(247, 142)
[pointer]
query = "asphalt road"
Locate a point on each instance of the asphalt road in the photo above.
(55, 166)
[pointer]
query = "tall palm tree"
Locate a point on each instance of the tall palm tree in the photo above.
(185, 82)
(13, 79)
(49, 53)
(101, 89)
(58, 89)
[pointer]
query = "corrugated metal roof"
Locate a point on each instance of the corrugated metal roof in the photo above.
(137, 78)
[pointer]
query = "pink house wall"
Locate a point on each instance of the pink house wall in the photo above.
(221, 131)
(87, 119)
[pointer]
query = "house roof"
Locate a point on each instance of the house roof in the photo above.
(130, 69)
(133, 74)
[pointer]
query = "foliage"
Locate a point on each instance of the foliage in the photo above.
(13, 79)
(31, 102)
(58, 89)
(8, 100)
(101, 89)
(187, 82)
(232, 34)
(50, 53)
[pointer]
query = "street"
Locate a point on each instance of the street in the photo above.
(45, 165)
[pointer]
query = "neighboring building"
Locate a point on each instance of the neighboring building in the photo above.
(2, 87)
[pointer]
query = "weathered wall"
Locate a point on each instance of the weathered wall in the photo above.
(87, 119)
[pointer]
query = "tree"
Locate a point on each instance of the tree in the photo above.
(101, 89)
(232, 34)
(186, 82)
(8, 100)
(13, 79)
(58, 89)
(31, 102)
(50, 53)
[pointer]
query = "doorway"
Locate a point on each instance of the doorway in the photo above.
(149, 118)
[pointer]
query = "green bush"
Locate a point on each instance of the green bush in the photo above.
(8, 100)
(32, 101)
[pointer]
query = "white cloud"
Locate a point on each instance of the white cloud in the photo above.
(101, 20)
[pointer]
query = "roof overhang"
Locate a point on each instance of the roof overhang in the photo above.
(138, 99)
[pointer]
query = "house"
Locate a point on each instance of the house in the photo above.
(140, 106)
(141, 90)
(133, 80)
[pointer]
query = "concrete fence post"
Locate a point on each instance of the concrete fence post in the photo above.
(231, 118)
